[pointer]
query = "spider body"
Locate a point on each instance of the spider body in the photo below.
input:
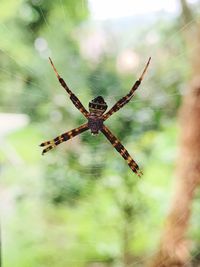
(97, 107)
(95, 120)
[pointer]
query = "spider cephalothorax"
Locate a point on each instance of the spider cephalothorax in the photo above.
(96, 118)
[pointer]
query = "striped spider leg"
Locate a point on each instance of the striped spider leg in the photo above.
(63, 137)
(124, 100)
(77, 103)
(122, 150)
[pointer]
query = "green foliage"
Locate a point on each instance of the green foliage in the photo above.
(74, 206)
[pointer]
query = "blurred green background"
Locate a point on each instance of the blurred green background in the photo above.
(80, 205)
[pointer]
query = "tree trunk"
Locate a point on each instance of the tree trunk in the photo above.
(174, 247)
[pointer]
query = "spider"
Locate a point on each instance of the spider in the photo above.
(95, 120)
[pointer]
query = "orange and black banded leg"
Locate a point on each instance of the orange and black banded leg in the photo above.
(124, 100)
(63, 137)
(77, 103)
(122, 150)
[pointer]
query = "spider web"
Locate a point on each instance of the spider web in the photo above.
(144, 89)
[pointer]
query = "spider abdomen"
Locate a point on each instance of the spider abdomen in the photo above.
(95, 124)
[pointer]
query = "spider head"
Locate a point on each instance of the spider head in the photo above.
(98, 105)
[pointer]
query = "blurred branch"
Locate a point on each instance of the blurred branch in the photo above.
(186, 11)
(174, 248)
